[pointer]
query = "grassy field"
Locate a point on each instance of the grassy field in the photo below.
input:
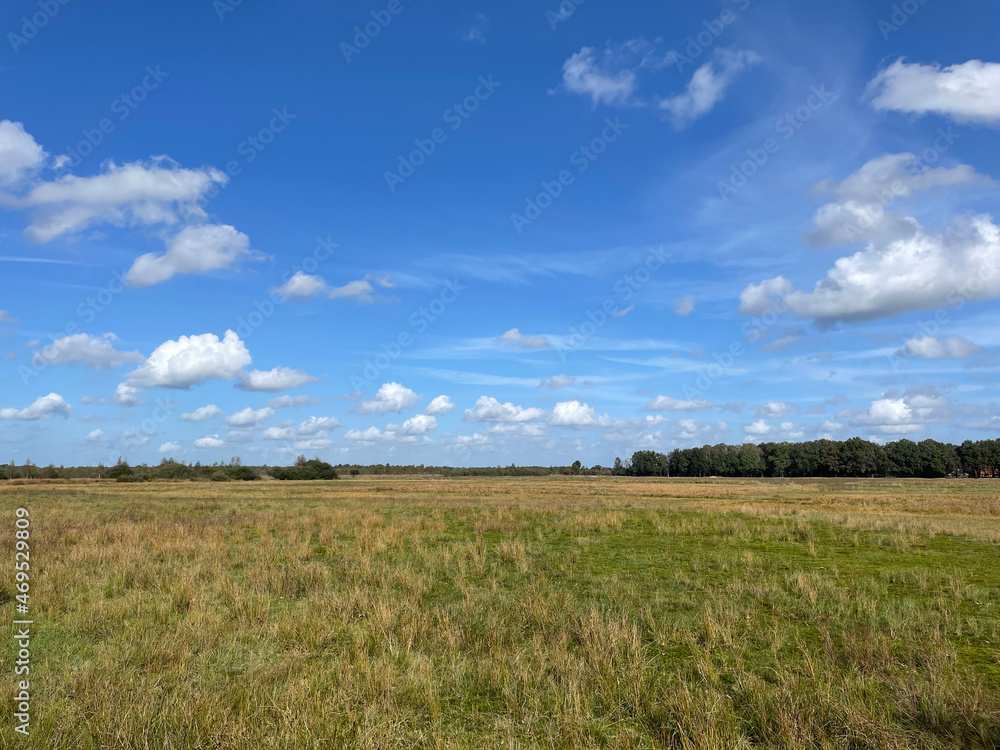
(583, 612)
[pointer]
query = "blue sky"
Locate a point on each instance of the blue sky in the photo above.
(494, 233)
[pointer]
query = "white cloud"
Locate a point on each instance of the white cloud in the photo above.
(134, 194)
(19, 154)
(195, 249)
(288, 402)
(901, 414)
(708, 86)
(371, 435)
(557, 381)
(248, 417)
(488, 409)
(202, 413)
(94, 435)
(191, 360)
(439, 405)
(97, 352)
(304, 286)
(929, 347)
(390, 397)
(277, 379)
(921, 272)
(170, 447)
(966, 92)
(583, 74)
(859, 212)
(774, 410)
(684, 305)
(516, 338)
(209, 441)
(421, 424)
(127, 396)
(43, 407)
(92, 399)
(316, 426)
(666, 403)
(577, 414)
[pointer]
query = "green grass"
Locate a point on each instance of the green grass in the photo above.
(514, 613)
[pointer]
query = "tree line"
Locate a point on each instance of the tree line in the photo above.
(854, 457)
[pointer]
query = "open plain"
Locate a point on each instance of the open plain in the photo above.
(553, 612)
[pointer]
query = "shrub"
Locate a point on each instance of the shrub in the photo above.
(242, 473)
(311, 469)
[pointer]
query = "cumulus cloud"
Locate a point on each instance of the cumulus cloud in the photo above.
(278, 379)
(439, 405)
(305, 286)
(195, 249)
(43, 407)
(311, 433)
(97, 352)
(557, 381)
(516, 338)
(929, 347)
(774, 410)
(170, 447)
(577, 414)
(412, 430)
(92, 399)
(901, 414)
(966, 92)
(248, 417)
(202, 413)
(209, 441)
(755, 431)
(859, 212)
(94, 435)
(921, 272)
(127, 396)
(20, 156)
(666, 403)
(191, 360)
(707, 86)
(584, 74)
(134, 194)
(390, 397)
(488, 409)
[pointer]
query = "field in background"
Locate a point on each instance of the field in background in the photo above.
(585, 612)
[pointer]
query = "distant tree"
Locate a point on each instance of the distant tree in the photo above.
(354, 472)
(575, 468)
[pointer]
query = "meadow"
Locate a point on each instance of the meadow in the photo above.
(549, 612)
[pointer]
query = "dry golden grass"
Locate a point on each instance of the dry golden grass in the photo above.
(531, 612)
